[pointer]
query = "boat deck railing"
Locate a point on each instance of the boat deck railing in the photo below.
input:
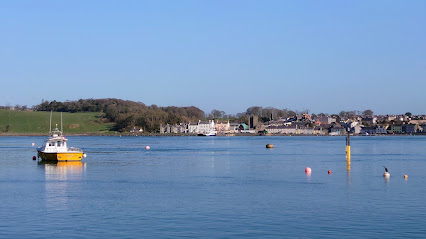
(74, 149)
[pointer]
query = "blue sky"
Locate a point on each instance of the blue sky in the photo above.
(325, 56)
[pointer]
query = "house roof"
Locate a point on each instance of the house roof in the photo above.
(245, 126)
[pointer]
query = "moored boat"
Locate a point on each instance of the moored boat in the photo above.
(212, 133)
(55, 148)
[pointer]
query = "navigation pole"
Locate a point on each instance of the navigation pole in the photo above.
(348, 147)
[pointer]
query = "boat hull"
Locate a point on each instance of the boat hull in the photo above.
(66, 156)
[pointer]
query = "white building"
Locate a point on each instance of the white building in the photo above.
(205, 127)
(193, 128)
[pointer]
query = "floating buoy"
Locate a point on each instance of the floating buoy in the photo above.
(269, 146)
(406, 176)
(147, 147)
(308, 170)
(84, 155)
(329, 171)
(34, 158)
(386, 174)
(32, 144)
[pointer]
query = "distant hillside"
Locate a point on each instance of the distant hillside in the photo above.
(37, 122)
(126, 114)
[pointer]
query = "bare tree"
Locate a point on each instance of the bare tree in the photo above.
(217, 113)
(368, 112)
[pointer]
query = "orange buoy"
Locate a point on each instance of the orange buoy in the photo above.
(329, 171)
(406, 176)
(308, 170)
(269, 146)
(147, 147)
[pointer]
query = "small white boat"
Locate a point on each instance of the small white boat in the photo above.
(212, 133)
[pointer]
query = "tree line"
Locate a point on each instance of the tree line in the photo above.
(127, 114)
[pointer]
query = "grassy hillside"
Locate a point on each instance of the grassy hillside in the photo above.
(37, 122)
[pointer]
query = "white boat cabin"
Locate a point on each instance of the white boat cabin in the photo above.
(56, 143)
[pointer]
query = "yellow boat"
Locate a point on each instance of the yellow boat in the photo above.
(55, 148)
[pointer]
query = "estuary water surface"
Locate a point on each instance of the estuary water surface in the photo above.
(215, 187)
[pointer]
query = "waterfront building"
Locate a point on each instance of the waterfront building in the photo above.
(173, 129)
(319, 130)
(283, 129)
(380, 130)
(368, 130)
(205, 127)
(223, 128)
(243, 127)
(394, 129)
(233, 127)
(192, 128)
(409, 128)
(337, 129)
(164, 129)
(304, 130)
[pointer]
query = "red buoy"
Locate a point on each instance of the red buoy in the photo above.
(329, 171)
(308, 170)
(34, 158)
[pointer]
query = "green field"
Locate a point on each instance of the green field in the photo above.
(37, 122)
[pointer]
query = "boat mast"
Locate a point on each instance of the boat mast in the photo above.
(50, 129)
(62, 130)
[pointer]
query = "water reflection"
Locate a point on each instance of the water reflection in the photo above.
(386, 177)
(60, 178)
(62, 170)
(348, 170)
(308, 177)
(386, 180)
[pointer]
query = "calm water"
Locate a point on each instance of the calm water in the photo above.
(215, 187)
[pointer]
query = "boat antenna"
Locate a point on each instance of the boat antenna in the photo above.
(50, 129)
(62, 130)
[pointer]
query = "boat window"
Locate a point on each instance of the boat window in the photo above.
(59, 143)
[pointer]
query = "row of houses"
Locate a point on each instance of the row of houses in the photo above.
(338, 129)
(342, 128)
(206, 127)
(294, 126)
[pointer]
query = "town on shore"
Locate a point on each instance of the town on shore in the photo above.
(113, 116)
(304, 124)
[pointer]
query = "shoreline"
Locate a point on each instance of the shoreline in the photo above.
(195, 135)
